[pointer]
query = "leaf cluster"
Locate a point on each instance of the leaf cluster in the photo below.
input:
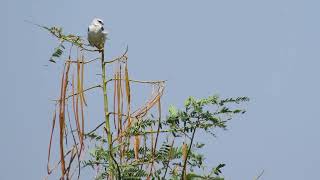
(168, 161)
(62, 37)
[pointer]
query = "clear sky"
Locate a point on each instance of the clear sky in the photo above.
(267, 50)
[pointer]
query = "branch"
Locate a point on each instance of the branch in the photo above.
(144, 109)
(90, 50)
(71, 95)
(190, 146)
(120, 58)
(85, 62)
(57, 164)
(156, 141)
(258, 177)
(169, 158)
(102, 123)
(136, 163)
(96, 128)
(138, 81)
(160, 131)
(73, 39)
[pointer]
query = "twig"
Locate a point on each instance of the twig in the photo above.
(142, 111)
(138, 81)
(62, 37)
(74, 94)
(136, 163)
(161, 131)
(85, 62)
(117, 165)
(57, 164)
(185, 161)
(123, 56)
(259, 175)
(51, 135)
(169, 158)
(72, 157)
(75, 142)
(102, 123)
(96, 128)
(90, 50)
(157, 136)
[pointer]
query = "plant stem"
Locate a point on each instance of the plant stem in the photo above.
(106, 111)
(185, 161)
(169, 158)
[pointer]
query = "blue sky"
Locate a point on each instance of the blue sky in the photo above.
(267, 50)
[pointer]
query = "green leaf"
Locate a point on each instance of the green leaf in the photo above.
(217, 170)
(173, 111)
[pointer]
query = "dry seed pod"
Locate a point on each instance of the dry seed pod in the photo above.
(136, 146)
(184, 156)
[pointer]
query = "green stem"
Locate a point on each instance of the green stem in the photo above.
(106, 111)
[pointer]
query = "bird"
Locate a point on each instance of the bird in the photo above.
(96, 33)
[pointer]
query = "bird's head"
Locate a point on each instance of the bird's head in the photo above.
(97, 22)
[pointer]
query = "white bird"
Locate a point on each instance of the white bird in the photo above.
(96, 34)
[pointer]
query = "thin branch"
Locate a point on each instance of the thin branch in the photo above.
(117, 165)
(138, 81)
(96, 128)
(157, 136)
(74, 94)
(124, 115)
(62, 37)
(258, 177)
(142, 111)
(136, 163)
(189, 150)
(90, 50)
(72, 157)
(161, 131)
(57, 164)
(102, 123)
(75, 142)
(123, 58)
(85, 62)
(169, 158)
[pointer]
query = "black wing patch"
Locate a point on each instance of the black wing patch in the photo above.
(102, 29)
(88, 29)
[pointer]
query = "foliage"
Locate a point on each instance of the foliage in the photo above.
(178, 126)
